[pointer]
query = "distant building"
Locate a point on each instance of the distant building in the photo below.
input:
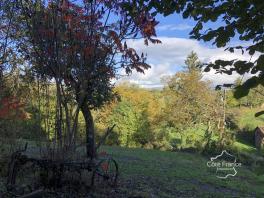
(259, 137)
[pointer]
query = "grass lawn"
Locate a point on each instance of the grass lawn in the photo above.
(154, 174)
(151, 173)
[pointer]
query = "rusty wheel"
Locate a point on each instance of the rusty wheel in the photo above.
(106, 171)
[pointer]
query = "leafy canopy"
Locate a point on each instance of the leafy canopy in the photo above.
(84, 45)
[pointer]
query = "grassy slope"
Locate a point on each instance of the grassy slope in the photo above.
(246, 121)
(151, 173)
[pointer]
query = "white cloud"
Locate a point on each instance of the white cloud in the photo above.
(152, 76)
(219, 79)
(168, 57)
(173, 27)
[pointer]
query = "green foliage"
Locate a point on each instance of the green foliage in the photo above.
(126, 119)
(239, 16)
(170, 119)
(130, 117)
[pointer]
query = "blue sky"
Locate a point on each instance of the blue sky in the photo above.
(168, 58)
(174, 26)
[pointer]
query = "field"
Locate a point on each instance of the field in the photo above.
(151, 173)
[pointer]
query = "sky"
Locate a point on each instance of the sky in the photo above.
(168, 58)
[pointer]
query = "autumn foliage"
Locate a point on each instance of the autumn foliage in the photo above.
(12, 108)
(81, 36)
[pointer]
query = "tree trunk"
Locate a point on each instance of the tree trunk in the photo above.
(59, 115)
(89, 126)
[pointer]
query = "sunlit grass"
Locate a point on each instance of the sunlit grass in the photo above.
(246, 118)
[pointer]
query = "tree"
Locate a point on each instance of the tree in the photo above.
(10, 32)
(82, 48)
(11, 105)
(192, 62)
(193, 101)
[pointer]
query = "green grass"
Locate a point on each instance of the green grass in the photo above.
(152, 173)
(246, 119)
(246, 122)
(158, 174)
(242, 147)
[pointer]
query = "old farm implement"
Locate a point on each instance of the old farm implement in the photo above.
(28, 174)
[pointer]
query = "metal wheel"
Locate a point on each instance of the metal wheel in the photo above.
(106, 172)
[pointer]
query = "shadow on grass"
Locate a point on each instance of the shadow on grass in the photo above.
(246, 136)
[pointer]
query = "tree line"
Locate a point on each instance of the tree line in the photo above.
(186, 113)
